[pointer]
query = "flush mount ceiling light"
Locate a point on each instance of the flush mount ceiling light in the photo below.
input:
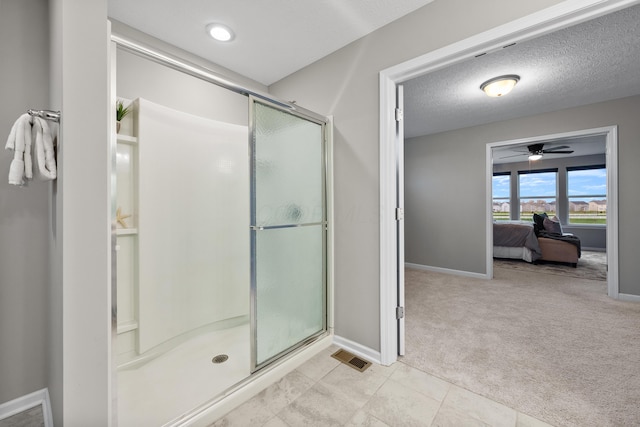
(220, 32)
(500, 86)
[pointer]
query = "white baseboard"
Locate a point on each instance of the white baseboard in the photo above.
(629, 297)
(358, 349)
(446, 271)
(26, 402)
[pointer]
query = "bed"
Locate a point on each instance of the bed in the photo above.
(515, 240)
(521, 240)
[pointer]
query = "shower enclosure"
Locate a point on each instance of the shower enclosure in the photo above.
(221, 224)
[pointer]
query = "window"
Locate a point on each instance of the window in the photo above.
(537, 192)
(501, 190)
(587, 194)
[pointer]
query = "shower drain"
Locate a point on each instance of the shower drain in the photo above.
(221, 358)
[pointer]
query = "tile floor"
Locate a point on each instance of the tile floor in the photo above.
(325, 392)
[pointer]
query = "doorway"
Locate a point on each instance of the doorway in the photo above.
(610, 136)
(532, 26)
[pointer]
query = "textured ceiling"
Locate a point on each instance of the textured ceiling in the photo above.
(274, 38)
(594, 61)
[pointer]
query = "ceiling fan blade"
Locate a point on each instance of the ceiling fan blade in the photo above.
(557, 152)
(513, 155)
(552, 149)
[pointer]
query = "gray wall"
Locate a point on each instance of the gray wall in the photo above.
(24, 223)
(459, 156)
(445, 203)
(138, 77)
(591, 237)
(345, 84)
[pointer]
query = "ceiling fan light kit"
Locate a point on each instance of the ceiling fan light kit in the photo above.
(535, 151)
(500, 86)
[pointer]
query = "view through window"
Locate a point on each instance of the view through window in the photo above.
(501, 190)
(587, 193)
(537, 191)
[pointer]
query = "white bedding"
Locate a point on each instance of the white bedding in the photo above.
(512, 252)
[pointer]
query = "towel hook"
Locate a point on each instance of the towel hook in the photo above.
(53, 116)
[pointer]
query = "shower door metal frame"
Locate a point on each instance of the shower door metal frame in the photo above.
(323, 122)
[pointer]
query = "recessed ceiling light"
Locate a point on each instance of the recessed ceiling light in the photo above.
(500, 86)
(220, 32)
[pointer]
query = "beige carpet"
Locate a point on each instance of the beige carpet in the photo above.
(556, 348)
(591, 265)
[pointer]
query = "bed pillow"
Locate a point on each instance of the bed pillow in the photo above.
(538, 222)
(552, 225)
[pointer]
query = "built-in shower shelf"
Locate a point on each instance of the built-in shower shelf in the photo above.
(127, 139)
(127, 326)
(126, 231)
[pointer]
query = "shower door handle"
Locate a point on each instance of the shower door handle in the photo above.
(276, 227)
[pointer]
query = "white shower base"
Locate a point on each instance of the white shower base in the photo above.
(183, 378)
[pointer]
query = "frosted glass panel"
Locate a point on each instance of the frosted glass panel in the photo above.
(288, 168)
(290, 292)
(288, 237)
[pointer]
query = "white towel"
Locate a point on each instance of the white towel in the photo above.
(43, 153)
(20, 142)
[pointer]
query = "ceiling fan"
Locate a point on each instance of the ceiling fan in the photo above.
(535, 151)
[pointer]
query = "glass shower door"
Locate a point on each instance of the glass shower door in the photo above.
(288, 231)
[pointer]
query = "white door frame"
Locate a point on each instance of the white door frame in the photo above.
(611, 142)
(543, 22)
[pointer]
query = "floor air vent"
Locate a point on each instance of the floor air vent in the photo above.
(351, 360)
